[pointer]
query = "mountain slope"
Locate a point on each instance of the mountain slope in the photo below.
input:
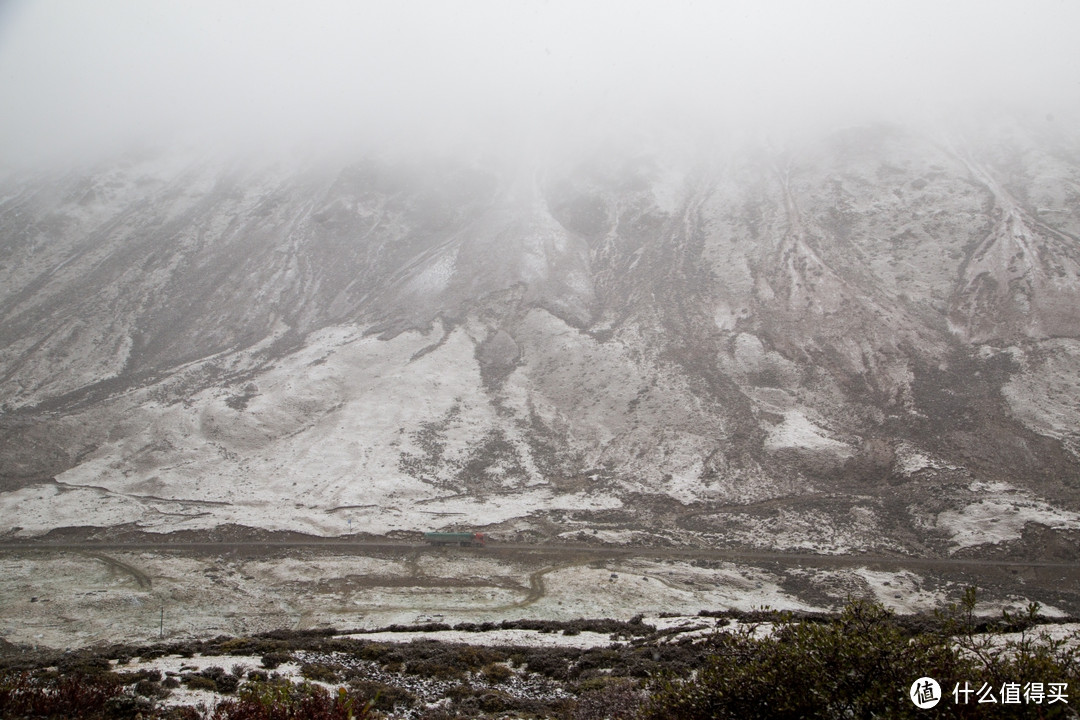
(854, 343)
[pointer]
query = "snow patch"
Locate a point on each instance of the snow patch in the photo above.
(798, 431)
(910, 461)
(526, 638)
(1001, 516)
(435, 278)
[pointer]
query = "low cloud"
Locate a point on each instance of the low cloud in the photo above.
(84, 79)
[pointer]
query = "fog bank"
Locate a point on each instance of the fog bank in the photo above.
(84, 79)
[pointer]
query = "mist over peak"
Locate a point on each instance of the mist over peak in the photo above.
(334, 78)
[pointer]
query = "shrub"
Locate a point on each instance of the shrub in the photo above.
(472, 657)
(272, 701)
(200, 682)
(66, 696)
(84, 664)
(272, 659)
(860, 664)
(223, 682)
(237, 646)
(383, 696)
(440, 669)
(373, 651)
(151, 674)
(227, 683)
(150, 689)
(320, 672)
(496, 673)
(609, 699)
(550, 662)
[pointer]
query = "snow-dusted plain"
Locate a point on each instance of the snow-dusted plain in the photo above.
(74, 599)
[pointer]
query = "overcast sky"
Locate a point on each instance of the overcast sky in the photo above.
(79, 77)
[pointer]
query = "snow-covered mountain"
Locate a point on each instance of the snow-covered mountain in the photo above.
(870, 340)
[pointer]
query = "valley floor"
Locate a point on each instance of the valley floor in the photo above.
(81, 593)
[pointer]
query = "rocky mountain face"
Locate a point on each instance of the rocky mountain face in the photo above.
(870, 341)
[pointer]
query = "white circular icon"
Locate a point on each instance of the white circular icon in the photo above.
(925, 693)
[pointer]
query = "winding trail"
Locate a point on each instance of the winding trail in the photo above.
(140, 577)
(574, 553)
(1052, 581)
(537, 590)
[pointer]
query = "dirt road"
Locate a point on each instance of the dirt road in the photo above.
(565, 550)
